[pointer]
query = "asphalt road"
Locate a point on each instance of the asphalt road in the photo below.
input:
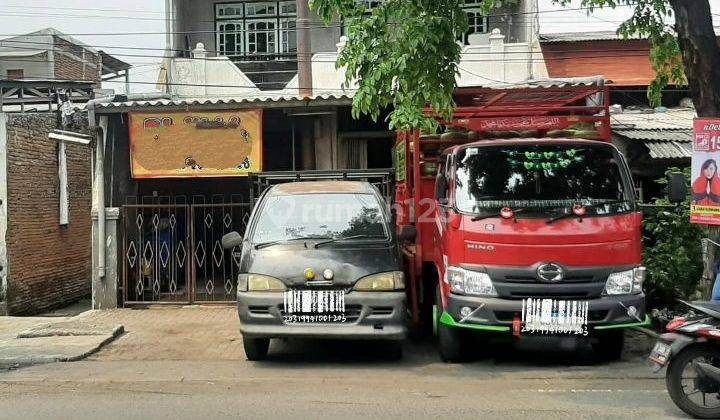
(345, 380)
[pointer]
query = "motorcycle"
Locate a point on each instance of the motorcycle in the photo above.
(691, 351)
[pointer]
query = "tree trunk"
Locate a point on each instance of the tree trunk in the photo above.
(700, 54)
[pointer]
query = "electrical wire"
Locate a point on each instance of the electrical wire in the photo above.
(135, 18)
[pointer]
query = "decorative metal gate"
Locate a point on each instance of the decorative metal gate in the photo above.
(172, 253)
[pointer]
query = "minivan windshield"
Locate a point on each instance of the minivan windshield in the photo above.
(320, 216)
(538, 178)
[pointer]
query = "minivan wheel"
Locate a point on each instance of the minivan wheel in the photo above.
(256, 348)
(450, 343)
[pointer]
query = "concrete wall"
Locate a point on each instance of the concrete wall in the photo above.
(198, 17)
(34, 67)
(211, 77)
(49, 264)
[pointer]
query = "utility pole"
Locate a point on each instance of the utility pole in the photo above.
(303, 50)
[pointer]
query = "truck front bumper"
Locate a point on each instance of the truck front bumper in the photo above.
(495, 314)
(369, 315)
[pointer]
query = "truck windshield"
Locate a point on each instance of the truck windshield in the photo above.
(541, 179)
(319, 216)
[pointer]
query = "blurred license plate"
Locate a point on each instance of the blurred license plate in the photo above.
(307, 306)
(552, 316)
(660, 354)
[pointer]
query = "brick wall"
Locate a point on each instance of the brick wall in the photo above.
(74, 62)
(49, 264)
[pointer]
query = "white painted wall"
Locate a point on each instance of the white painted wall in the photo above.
(203, 76)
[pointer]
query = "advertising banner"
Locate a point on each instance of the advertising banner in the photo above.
(182, 144)
(705, 207)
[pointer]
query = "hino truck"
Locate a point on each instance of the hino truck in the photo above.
(521, 219)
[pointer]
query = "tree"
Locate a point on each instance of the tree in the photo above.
(404, 53)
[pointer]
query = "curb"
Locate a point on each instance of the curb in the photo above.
(30, 360)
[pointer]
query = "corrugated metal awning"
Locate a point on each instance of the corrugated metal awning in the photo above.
(251, 101)
(669, 149)
(656, 135)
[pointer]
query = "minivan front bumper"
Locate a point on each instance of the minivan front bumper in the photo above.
(497, 314)
(370, 315)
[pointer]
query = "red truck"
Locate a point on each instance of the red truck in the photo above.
(521, 219)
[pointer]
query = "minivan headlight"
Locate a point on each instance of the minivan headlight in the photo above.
(259, 283)
(625, 282)
(392, 280)
(467, 282)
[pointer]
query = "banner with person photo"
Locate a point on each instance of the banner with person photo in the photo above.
(705, 206)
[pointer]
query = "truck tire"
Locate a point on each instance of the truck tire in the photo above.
(609, 345)
(256, 348)
(395, 350)
(673, 381)
(449, 339)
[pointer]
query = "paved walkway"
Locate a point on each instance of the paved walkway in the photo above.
(174, 333)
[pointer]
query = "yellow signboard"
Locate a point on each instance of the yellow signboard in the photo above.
(182, 144)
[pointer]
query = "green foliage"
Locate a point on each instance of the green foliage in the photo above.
(403, 55)
(674, 256)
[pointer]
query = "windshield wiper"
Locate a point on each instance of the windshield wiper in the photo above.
(572, 214)
(479, 217)
(346, 238)
(282, 241)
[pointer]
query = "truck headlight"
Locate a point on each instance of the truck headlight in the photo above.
(625, 282)
(392, 280)
(467, 282)
(259, 283)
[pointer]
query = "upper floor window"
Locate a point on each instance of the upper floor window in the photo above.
(261, 28)
(477, 22)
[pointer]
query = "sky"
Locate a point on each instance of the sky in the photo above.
(96, 17)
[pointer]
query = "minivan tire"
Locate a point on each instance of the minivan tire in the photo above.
(256, 348)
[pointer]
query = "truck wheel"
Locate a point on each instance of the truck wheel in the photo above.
(256, 348)
(449, 338)
(395, 350)
(609, 345)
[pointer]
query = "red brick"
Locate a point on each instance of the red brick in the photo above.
(49, 264)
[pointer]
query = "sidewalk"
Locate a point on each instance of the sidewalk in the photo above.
(34, 340)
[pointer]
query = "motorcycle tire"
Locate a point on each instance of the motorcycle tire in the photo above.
(673, 381)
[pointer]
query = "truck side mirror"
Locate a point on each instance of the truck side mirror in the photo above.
(441, 187)
(231, 240)
(677, 187)
(407, 233)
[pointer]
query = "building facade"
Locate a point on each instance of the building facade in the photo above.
(174, 168)
(261, 36)
(48, 54)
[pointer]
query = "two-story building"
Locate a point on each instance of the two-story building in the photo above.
(172, 170)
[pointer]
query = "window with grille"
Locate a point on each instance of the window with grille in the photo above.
(262, 29)
(477, 22)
